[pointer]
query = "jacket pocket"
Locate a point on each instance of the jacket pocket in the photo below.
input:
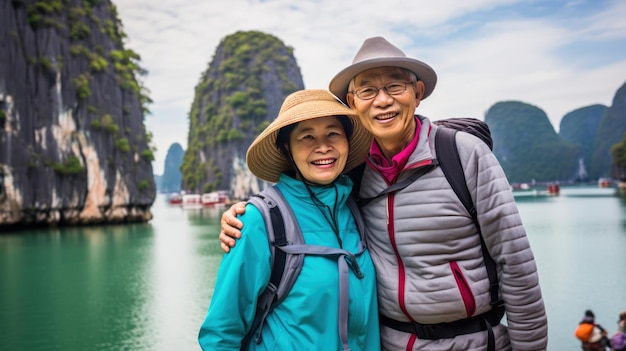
(464, 289)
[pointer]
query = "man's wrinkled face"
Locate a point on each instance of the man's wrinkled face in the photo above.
(389, 114)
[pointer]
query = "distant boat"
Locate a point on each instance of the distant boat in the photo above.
(215, 198)
(553, 189)
(192, 201)
(604, 183)
(175, 199)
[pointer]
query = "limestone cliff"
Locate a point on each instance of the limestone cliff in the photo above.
(580, 128)
(238, 95)
(610, 132)
(172, 178)
(73, 144)
(527, 145)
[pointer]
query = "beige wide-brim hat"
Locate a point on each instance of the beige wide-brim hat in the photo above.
(265, 160)
(378, 52)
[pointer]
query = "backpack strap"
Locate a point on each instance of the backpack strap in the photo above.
(470, 125)
(450, 163)
(278, 235)
(288, 250)
(401, 184)
(346, 261)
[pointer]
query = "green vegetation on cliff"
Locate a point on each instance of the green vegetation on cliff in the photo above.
(73, 110)
(526, 144)
(618, 151)
(76, 21)
(528, 148)
(234, 99)
(610, 132)
(580, 127)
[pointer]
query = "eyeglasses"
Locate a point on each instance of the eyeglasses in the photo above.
(368, 93)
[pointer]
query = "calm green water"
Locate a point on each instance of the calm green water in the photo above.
(148, 286)
(132, 287)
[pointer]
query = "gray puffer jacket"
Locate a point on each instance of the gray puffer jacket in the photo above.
(428, 258)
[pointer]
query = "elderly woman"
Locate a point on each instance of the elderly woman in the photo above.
(305, 151)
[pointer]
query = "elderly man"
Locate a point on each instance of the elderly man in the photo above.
(432, 280)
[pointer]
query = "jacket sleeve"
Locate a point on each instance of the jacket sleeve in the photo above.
(242, 276)
(508, 244)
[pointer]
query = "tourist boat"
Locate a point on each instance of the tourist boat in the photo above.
(553, 189)
(215, 198)
(192, 201)
(175, 199)
(604, 183)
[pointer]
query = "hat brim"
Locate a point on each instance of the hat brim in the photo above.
(339, 84)
(265, 160)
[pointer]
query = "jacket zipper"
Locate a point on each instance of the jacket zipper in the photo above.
(391, 233)
(464, 289)
(401, 273)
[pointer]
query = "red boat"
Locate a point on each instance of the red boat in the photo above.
(175, 199)
(553, 189)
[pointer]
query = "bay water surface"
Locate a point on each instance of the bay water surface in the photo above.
(148, 286)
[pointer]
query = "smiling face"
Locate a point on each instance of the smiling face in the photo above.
(390, 118)
(319, 148)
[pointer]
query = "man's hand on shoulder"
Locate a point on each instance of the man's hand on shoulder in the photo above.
(231, 226)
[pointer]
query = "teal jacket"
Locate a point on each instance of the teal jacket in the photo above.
(307, 318)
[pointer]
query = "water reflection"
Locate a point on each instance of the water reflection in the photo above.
(132, 287)
(148, 286)
(199, 216)
(78, 281)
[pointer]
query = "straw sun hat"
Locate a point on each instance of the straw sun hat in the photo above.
(378, 52)
(265, 160)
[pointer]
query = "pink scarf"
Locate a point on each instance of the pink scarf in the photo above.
(391, 170)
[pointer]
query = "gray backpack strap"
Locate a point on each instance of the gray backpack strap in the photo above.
(281, 231)
(346, 261)
(288, 250)
(292, 235)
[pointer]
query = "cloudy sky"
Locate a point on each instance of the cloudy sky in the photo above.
(558, 55)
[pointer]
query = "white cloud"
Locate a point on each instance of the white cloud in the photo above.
(483, 51)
